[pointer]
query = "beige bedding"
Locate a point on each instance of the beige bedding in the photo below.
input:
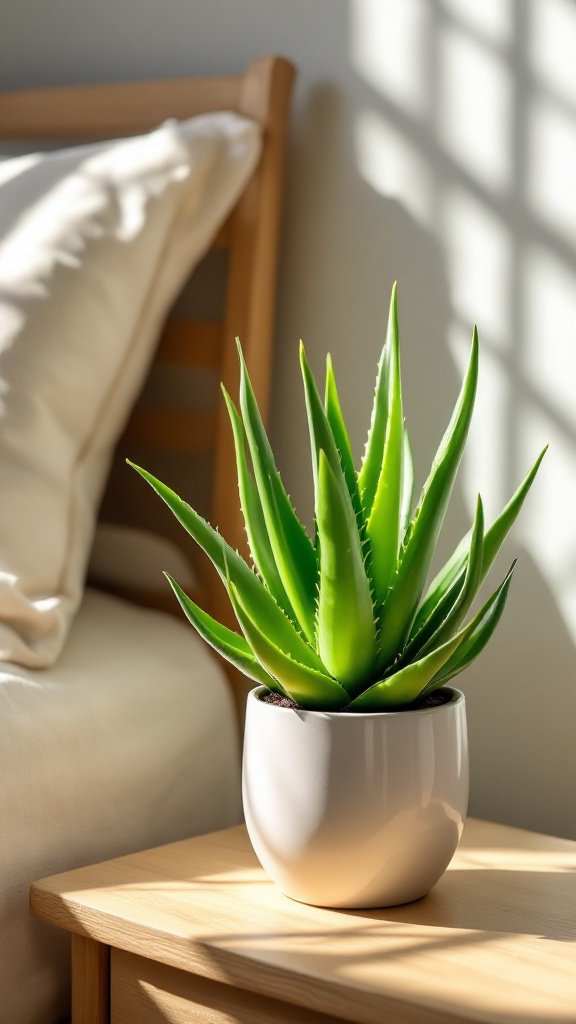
(128, 741)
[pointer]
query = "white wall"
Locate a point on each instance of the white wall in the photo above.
(433, 141)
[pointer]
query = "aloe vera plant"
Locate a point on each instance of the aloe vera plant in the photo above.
(343, 621)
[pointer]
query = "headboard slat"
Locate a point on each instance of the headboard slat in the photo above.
(108, 110)
(222, 240)
(190, 343)
(175, 430)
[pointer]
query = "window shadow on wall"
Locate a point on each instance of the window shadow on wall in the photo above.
(348, 237)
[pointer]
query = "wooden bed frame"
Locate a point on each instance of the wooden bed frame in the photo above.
(248, 246)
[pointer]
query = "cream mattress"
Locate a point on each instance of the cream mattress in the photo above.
(129, 741)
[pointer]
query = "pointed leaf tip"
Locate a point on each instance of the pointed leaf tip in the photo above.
(420, 543)
(372, 461)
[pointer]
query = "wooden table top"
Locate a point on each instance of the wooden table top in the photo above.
(495, 940)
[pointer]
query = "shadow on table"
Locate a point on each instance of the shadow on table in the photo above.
(492, 901)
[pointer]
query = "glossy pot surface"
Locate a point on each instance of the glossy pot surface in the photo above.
(355, 810)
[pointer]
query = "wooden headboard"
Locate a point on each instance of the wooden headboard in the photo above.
(199, 338)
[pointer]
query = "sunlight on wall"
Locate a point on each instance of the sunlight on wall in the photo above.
(381, 36)
(475, 109)
(551, 167)
(550, 294)
(469, 227)
(551, 326)
(473, 130)
(553, 46)
(392, 164)
(550, 369)
(490, 20)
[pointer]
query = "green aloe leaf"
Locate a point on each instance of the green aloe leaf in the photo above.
(484, 625)
(292, 548)
(308, 687)
(269, 618)
(346, 625)
(229, 644)
(335, 419)
(384, 527)
(447, 616)
(445, 587)
(437, 615)
(232, 568)
(494, 537)
(258, 538)
(434, 669)
(372, 462)
(407, 684)
(322, 437)
(407, 484)
(401, 605)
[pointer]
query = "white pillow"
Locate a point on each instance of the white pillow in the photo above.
(95, 243)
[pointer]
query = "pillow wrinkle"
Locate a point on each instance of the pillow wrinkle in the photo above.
(95, 243)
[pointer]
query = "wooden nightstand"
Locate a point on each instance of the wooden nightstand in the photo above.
(194, 931)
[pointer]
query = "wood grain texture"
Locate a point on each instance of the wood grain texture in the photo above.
(494, 942)
(90, 981)
(146, 992)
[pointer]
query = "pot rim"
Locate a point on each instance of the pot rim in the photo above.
(457, 698)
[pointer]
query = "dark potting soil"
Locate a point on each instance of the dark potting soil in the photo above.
(279, 701)
(432, 700)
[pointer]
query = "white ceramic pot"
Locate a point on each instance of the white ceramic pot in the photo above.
(355, 810)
